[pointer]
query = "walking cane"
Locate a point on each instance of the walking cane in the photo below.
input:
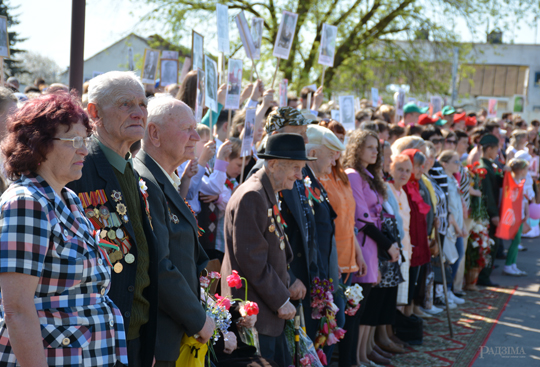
(437, 239)
(297, 340)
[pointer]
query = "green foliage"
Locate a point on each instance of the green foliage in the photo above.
(367, 53)
(12, 65)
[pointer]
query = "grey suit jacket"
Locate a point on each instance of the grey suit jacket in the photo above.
(181, 259)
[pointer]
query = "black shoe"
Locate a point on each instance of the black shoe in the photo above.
(488, 283)
(459, 293)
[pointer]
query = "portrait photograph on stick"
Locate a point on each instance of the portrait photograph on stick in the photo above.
(168, 72)
(171, 55)
(256, 34)
(247, 139)
(151, 58)
(197, 50)
(4, 38)
(199, 101)
(234, 84)
(283, 87)
(328, 45)
(245, 34)
(285, 36)
(211, 83)
(346, 112)
(222, 13)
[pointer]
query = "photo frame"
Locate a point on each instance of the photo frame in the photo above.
(283, 89)
(518, 102)
(245, 34)
(170, 55)
(197, 50)
(4, 38)
(150, 65)
(222, 15)
(334, 114)
(168, 72)
(285, 36)
(234, 84)
(374, 97)
(346, 112)
(249, 129)
(256, 34)
(327, 50)
(436, 103)
(211, 83)
(199, 100)
(492, 108)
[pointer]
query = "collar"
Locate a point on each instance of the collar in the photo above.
(173, 179)
(115, 159)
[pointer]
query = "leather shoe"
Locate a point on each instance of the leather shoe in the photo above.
(487, 283)
(378, 349)
(377, 358)
(391, 348)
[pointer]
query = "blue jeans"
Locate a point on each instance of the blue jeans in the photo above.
(461, 252)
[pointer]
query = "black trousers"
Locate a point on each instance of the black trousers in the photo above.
(275, 349)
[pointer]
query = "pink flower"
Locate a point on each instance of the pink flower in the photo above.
(251, 308)
(322, 357)
(339, 333)
(205, 282)
(214, 275)
(234, 280)
(332, 339)
(325, 329)
(223, 301)
(305, 362)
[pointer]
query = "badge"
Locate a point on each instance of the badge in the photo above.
(125, 218)
(104, 211)
(116, 256)
(282, 245)
(116, 195)
(119, 234)
(96, 212)
(130, 259)
(103, 234)
(279, 219)
(174, 219)
(89, 213)
(269, 212)
(272, 228)
(118, 267)
(111, 234)
(121, 209)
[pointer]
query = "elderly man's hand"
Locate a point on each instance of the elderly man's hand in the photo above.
(209, 150)
(318, 99)
(246, 93)
(222, 94)
(248, 321)
(297, 290)
(206, 332)
(224, 151)
(287, 311)
(230, 344)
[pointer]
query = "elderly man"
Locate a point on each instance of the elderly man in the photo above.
(256, 245)
(170, 140)
(114, 198)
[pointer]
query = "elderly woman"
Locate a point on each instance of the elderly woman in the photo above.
(54, 277)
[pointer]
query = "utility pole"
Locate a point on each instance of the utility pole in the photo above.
(76, 60)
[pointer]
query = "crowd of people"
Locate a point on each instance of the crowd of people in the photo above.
(118, 205)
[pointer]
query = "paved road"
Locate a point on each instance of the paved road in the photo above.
(515, 340)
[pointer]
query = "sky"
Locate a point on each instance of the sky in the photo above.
(47, 26)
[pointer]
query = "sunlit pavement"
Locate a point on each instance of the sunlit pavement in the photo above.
(515, 340)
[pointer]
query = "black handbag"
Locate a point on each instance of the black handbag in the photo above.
(409, 329)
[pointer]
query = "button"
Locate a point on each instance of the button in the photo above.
(103, 290)
(65, 232)
(127, 314)
(66, 341)
(100, 262)
(111, 323)
(131, 288)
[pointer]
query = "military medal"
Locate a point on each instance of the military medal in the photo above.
(269, 213)
(116, 195)
(103, 234)
(104, 211)
(282, 245)
(119, 234)
(118, 267)
(129, 258)
(89, 213)
(272, 228)
(111, 234)
(96, 212)
(121, 209)
(116, 256)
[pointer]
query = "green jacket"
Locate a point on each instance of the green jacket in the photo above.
(491, 186)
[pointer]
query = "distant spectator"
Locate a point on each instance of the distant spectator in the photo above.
(395, 133)
(361, 116)
(188, 90)
(39, 83)
(31, 89)
(57, 87)
(172, 89)
(14, 82)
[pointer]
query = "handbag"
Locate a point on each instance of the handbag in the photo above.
(192, 353)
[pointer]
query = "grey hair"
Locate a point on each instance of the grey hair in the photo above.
(159, 106)
(407, 142)
(104, 87)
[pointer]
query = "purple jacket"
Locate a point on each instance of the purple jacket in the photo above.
(368, 209)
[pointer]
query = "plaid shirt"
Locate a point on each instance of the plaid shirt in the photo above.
(42, 237)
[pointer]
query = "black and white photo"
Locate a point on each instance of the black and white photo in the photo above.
(171, 55)
(245, 34)
(328, 45)
(4, 38)
(151, 58)
(199, 101)
(234, 84)
(285, 35)
(168, 72)
(197, 50)
(256, 34)
(436, 104)
(222, 13)
(346, 112)
(249, 128)
(283, 87)
(211, 83)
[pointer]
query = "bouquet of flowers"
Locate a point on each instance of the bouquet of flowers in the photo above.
(478, 253)
(324, 309)
(309, 357)
(217, 309)
(477, 208)
(354, 295)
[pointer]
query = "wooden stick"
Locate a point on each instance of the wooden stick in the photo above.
(322, 77)
(243, 167)
(255, 68)
(229, 124)
(2, 71)
(437, 239)
(275, 72)
(211, 124)
(251, 75)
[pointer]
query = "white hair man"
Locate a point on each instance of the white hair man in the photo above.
(113, 191)
(169, 141)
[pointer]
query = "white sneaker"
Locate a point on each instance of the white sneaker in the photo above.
(521, 273)
(455, 298)
(434, 310)
(441, 302)
(510, 270)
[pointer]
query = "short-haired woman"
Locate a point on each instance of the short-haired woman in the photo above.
(54, 277)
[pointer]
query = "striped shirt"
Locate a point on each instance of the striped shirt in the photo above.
(465, 186)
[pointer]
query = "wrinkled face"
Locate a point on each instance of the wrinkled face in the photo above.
(401, 172)
(235, 167)
(64, 161)
(369, 153)
(123, 119)
(284, 173)
(326, 158)
(177, 134)
(450, 143)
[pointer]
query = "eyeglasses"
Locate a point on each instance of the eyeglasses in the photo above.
(451, 142)
(437, 141)
(76, 141)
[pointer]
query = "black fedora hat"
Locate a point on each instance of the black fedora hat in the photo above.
(286, 146)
